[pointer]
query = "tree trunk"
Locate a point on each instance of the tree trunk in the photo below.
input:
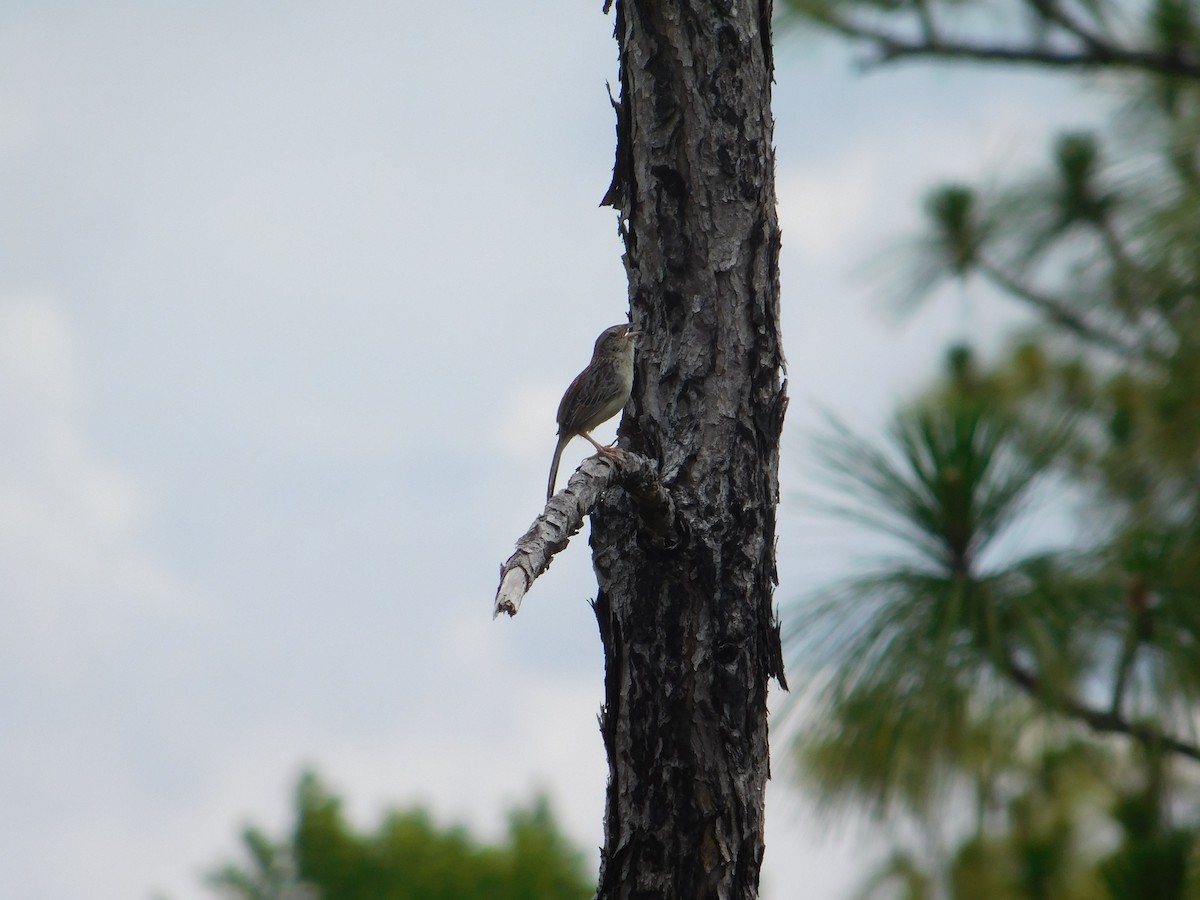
(690, 637)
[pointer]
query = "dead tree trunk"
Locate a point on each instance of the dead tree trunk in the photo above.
(690, 637)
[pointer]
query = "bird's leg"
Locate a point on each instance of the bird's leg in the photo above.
(612, 452)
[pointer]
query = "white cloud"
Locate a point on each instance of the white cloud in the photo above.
(74, 575)
(524, 428)
(825, 207)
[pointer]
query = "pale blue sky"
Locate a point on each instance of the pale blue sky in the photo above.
(288, 295)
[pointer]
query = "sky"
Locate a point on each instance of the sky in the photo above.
(288, 296)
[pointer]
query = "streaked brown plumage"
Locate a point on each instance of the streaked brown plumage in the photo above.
(597, 394)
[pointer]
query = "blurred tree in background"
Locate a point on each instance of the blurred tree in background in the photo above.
(407, 857)
(1023, 672)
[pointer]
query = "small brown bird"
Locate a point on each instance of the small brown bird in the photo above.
(597, 394)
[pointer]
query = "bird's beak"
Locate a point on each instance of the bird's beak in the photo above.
(631, 333)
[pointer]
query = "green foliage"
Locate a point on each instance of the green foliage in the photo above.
(1051, 675)
(408, 857)
(941, 667)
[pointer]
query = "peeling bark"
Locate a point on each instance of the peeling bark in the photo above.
(563, 517)
(689, 632)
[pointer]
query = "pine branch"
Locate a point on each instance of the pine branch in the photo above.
(1055, 309)
(892, 48)
(1129, 651)
(1051, 12)
(1094, 52)
(1100, 721)
(1141, 630)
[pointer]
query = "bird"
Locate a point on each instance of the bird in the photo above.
(597, 394)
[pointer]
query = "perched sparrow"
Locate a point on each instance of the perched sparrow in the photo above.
(597, 394)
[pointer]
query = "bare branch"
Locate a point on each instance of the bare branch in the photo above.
(1093, 50)
(1129, 650)
(892, 48)
(1056, 310)
(564, 514)
(929, 29)
(1100, 721)
(1052, 12)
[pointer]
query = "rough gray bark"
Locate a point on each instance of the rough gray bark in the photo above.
(689, 633)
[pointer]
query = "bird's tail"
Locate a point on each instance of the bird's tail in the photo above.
(562, 442)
